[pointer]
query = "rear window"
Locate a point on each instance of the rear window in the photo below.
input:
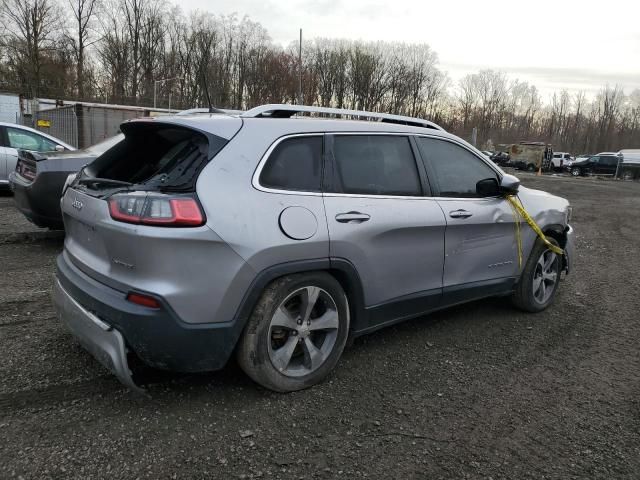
(157, 157)
(295, 164)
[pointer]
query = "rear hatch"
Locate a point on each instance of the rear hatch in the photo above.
(125, 211)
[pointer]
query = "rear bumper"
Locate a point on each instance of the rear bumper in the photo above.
(39, 200)
(157, 336)
(103, 341)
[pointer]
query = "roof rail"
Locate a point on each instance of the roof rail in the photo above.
(193, 111)
(287, 111)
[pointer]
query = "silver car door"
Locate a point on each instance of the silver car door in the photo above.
(480, 236)
(3, 156)
(380, 221)
(3, 165)
(11, 159)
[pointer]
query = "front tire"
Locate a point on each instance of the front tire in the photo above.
(296, 333)
(576, 172)
(540, 279)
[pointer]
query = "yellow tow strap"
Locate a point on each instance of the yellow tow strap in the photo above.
(520, 212)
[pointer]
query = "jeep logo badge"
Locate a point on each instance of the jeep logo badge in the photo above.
(77, 204)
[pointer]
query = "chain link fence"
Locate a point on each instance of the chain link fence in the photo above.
(83, 125)
(96, 123)
(59, 122)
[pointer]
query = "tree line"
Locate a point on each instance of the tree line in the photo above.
(141, 52)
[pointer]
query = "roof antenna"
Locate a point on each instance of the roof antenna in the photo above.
(205, 83)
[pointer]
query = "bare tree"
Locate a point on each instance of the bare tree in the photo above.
(232, 61)
(83, 12)
(31, 30)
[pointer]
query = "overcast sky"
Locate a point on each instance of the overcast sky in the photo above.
(578, 45)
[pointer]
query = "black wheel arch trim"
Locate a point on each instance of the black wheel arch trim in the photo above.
(344, 271)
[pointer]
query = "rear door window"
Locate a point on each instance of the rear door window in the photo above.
(375, 165)
(294, 164)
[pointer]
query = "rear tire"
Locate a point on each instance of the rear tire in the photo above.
(539, 280)
(531, 167)
(296, 333)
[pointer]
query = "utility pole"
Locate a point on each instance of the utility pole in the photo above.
(155, 87)
(300, 70)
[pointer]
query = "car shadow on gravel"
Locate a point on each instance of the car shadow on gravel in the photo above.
(383, 342)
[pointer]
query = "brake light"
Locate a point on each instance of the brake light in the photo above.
(26, 170)
(160, 210)
(144, 300)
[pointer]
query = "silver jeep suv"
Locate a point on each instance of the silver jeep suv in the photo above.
(276, 237)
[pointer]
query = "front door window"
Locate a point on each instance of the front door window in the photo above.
(26, 140)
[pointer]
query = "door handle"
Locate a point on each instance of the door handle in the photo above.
(460, 214)
(352, 217)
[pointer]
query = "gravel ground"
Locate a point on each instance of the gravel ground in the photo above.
(478, 391)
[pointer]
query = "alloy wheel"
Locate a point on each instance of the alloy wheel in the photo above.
(545, 276)
(303, 331)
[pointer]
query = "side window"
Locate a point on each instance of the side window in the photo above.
(595, 159)
(29, 141)
(375, 165)
(557, 155)
(295, 164)
(611, 161)
(457, 170)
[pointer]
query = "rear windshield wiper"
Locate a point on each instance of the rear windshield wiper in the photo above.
(89, 181)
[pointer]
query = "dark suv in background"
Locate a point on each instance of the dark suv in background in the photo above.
(604, 163)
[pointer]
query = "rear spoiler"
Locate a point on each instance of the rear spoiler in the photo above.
(29, 155)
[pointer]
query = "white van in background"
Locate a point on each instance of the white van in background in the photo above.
(629, 167)
(630, 155)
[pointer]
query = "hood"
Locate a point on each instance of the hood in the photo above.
(580, 161)
(545, 208)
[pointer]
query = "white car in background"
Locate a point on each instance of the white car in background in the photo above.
(561, 159)
(14, 137)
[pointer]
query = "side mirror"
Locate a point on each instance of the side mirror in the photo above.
(59, 148)
(488, 188)
(509, 185)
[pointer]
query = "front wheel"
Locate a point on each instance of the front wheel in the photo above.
(531, 167)
(539, 280)
(575, 172)
(296, 333)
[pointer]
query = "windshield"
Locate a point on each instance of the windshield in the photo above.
(105, 145)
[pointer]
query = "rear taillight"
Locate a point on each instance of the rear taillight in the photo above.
(161, 210)
(27, 170)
